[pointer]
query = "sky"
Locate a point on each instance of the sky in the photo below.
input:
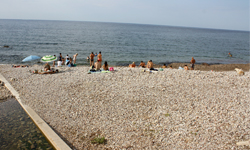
(216, 14)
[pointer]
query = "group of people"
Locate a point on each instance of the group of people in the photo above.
(97, 65)
(150, 65)
(68, 61)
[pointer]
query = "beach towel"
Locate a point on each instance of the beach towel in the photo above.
(181, 68)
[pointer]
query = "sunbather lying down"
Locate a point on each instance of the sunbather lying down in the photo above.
(19, 66)
(46, 72)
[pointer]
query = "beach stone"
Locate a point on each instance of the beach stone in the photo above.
(130, 110)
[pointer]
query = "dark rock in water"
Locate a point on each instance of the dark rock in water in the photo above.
(6, 46)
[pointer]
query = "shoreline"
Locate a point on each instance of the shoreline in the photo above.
(201, 67)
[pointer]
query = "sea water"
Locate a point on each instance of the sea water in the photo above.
(120, 43)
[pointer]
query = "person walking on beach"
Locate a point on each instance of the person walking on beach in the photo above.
(92, 55)
(192, 63)
(74, 58)
(99, 57)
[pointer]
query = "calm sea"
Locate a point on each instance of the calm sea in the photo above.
(119, 43)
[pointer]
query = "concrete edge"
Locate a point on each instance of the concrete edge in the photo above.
(53, 138)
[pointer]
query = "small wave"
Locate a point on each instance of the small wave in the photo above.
(46, 43)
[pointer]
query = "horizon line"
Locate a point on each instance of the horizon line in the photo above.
(132, 23)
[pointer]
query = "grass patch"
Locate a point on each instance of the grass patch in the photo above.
(99, 140)
(167, 115)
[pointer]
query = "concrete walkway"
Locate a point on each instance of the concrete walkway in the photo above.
(52, 137)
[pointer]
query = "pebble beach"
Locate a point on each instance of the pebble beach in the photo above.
(132, 109)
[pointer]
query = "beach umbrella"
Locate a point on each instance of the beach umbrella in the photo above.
(31, 58)
(48, 58)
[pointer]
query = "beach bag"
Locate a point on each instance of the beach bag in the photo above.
(111, 69)
(161, 69)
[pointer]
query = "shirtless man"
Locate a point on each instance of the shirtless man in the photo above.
(97, 65)
(150, 65)
(185, 67)
(99, 57)
(142, 64)
(92, 55)
(74, 58)
(192, 63)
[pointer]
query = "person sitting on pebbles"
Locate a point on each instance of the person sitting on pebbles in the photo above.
(97, 65)
(186, 67)
(132, 65)
(170, 67)
(150, 65)
(164, 66)
(105, 66)
(47, 67)
(142, 64)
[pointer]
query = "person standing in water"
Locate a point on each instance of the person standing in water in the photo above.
(74, 58)
(92, 55)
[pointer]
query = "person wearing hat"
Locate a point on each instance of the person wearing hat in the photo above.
(132, 65)
(74, 58)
